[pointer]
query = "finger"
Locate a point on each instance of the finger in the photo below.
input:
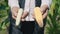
(15, 9)
(24, 15)
(13, 17)
(45, 14)
(15, 14)
(22, 19)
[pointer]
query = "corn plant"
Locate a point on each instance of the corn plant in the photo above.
(3, 14)
(54, 18)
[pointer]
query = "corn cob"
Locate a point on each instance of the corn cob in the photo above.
(38, 16)
(18, 19)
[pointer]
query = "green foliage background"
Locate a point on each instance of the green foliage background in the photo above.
(53, 18)
(3, 13)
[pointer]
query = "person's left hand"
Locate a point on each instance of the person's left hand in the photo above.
(24, 15)
(45, 14)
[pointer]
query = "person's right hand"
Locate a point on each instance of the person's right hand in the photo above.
(14, 11)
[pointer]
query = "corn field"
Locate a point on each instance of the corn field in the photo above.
(52, 23)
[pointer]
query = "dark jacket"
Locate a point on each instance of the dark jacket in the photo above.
(22, 3)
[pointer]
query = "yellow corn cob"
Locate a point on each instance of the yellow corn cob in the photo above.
(38, 16)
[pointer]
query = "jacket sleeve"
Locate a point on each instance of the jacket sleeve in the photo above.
(26, 7)
(13, 3)
(46, 2)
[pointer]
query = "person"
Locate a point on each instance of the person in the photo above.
(28, 24)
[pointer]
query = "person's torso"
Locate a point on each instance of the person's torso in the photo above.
(33, 4)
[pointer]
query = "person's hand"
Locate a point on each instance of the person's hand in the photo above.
(44, 11)
(24, 15)
(44, 14)
(14, 12)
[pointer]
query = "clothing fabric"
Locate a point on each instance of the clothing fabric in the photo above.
(29, 6)
(26, 27)
(29, 26)
(13, 3)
